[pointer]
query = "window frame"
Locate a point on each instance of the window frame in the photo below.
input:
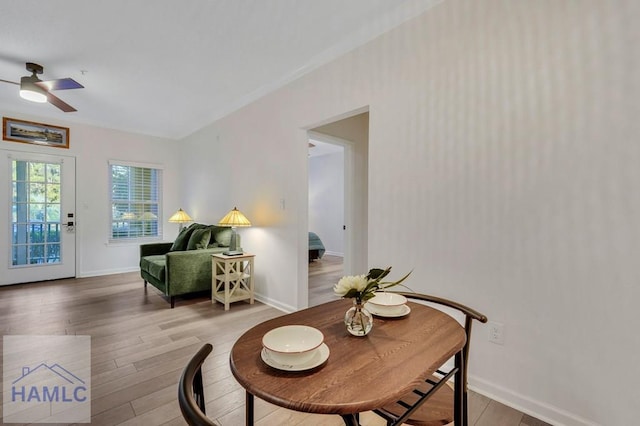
(159, 203)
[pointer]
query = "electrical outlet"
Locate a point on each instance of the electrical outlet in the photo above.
(496, 333)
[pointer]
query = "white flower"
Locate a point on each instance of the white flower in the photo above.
(363, 287)
(355, 282)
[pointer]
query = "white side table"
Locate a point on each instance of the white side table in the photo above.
(232, 278)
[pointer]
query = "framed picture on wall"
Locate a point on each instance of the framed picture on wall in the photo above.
(34, 133)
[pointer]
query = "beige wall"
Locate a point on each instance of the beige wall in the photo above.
(93, 147)
(503, 169)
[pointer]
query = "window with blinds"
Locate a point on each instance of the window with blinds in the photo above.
(135, 201)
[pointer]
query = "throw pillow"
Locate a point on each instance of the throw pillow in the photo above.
(182, 239)
(223, 237)
(199, 239)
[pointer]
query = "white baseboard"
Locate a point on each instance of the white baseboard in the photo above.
(334, 253)
(99, 273)
(540, 410)
(274, 304)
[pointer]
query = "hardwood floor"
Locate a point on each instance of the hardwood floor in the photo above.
(323, 274)
(139, 347)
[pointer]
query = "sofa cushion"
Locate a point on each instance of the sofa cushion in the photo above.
(182, 240)
(214, 230)
(199, 239)
(223, 236)
(154, 266)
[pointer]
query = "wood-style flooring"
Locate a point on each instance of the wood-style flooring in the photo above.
(139, 347)
(323, 275)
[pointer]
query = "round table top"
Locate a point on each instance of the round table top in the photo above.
(361, 373)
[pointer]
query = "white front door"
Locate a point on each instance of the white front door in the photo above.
(37, 217)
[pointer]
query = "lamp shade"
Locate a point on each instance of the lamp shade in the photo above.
(180, 217)
(234, 218)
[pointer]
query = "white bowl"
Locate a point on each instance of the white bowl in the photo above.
(292, 344)
(388, 303)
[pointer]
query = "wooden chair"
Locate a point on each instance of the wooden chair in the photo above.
(190, 390)
(434, 402)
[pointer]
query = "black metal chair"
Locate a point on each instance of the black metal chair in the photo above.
(190, 390)
(434, 402)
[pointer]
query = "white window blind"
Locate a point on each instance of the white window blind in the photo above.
(135, 201)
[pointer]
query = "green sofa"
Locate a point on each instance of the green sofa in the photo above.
(183, 266)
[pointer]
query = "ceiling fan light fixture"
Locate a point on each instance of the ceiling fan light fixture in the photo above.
(32, 92)
(33, 96)
(35, 90)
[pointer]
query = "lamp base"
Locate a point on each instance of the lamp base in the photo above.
(234, 244)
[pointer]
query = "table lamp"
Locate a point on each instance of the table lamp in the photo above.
(180, 217)
(234, 219)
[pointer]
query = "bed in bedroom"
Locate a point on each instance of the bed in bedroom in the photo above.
(316, 248)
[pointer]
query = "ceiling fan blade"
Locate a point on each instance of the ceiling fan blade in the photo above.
(60, 84)
(56, 101)
(7, 81)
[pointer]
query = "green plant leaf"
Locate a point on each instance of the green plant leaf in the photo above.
(378, 274)
(392, 283)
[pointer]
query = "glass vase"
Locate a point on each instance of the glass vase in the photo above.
(358, 320)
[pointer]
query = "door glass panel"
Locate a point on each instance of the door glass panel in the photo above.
(36, 172)
(36, 192)
(53, 173)
(36, 254)
(53, 253)
(36, 212)
(53, 193)
(36, 235)
(53, 233)
(53, 212)
(35, 215)
(20, 255)
(19, 235)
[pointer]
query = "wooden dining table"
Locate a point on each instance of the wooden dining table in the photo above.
(361, 373)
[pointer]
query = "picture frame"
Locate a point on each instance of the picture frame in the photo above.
(34, 133)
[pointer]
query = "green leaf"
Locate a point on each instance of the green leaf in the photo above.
(351, 293)
(392, 283)
(378, 274)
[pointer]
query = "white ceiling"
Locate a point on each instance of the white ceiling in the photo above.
(322, 148)
(169, 67)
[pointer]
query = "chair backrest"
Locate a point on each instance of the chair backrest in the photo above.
(190, 390)
(469, 316)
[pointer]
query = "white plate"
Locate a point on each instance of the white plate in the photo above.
(371, 308)
(321, 355)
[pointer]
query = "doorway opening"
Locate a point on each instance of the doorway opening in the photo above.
(326, 215)
(337, 213)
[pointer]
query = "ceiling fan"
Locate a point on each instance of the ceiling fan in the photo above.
(36, 90)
